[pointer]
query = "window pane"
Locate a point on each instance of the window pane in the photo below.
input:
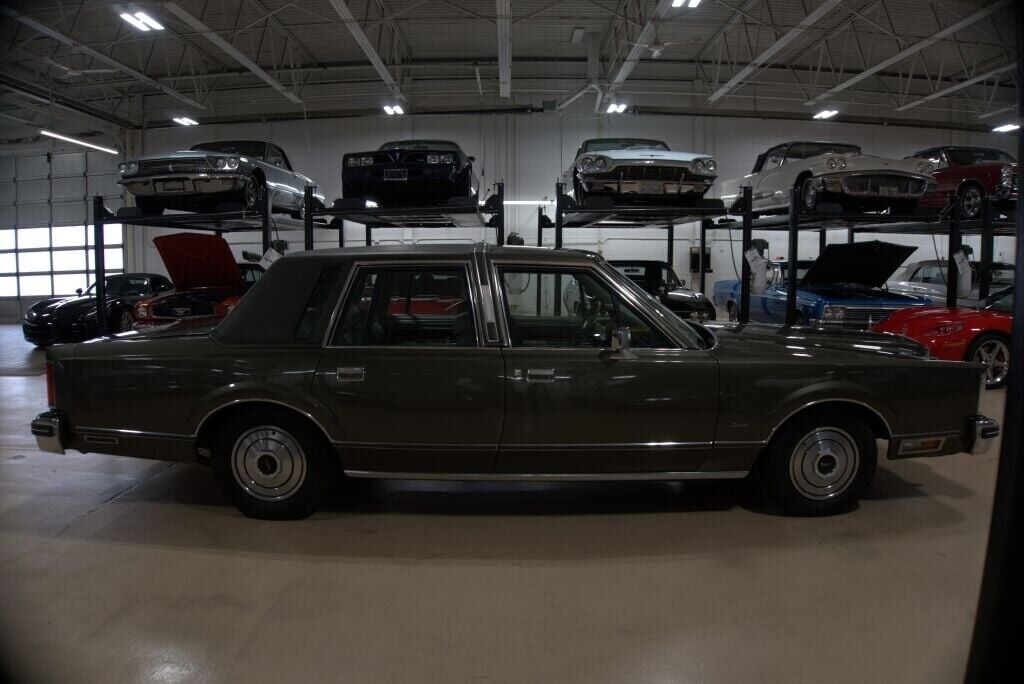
(114, 259)
(68, 236)
(8, 263)
(29, 262)
(69, 260)
(393, 307)
(29, 238)
(112, 234)
(6, 239)
(316, 304)
(32, 286)
(8, 287)
(67, 284)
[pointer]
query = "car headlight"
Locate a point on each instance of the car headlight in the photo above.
(945, 329)
(1007, 175)
(141, 311)
(833, 313)
(226, 163)
(127, 167)
(831, 163)
(840, 163)
(595, 163)
(836, 163)
(924, 167)
(706, 166)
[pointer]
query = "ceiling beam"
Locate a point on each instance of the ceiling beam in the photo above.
(98, 56)
(953, 88)
(724, 28)
(775, 48)
(503, 20)
(51, 100)
(371, 53)
(645, 38)
(230, 50)
(997, 112)
(909, 51)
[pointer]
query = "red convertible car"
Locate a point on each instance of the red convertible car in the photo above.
(971, 174)
(981, 335)
(207, 281)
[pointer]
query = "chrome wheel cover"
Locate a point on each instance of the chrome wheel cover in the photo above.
(268, 463)
(996, 357)
(810, 194)
(252, 194)
(970, 203)
(824, 463)
(126, 321)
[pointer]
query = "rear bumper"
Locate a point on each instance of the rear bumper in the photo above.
(984, 433)
(47, 429)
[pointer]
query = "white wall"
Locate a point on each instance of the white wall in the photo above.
(529, 152)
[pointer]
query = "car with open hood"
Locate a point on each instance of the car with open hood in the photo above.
(833, 174)
(842, 288)
(627, 169)
(407, 173)
(74, 319)
(208, 283)
(544, 365)
(210, 176)
(659, 279)
(971, 175)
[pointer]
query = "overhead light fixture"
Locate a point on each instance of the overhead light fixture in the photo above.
(534, 203)
(614, 108)
(826, 114)
(75, 141)
(136, 22)
(693, 3)
(1005, 128)
(680, 3)
(577, 35)
(185, 121)
(157, 26)
(392, 110)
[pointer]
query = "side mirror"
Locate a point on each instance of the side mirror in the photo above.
(619, 342)
(78, 291)
(472, 159)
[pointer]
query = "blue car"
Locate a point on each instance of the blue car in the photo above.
(843, 288)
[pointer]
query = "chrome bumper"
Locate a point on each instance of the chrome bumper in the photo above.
(985, 432)
(191, 183)
(47, 430)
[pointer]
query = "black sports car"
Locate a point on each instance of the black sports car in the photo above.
(410, 173)
(658, 279)
(73, 319)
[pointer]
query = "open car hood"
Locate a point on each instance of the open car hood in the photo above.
(196, 260)
(862, 263)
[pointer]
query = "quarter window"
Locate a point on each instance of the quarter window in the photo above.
(405, 307)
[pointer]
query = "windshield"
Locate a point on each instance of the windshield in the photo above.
(119, 286)
(623, 144)
(689, 335)
(805, 150)
(1001, 301)
(1002, 277)
(247, 148)
(439, 145)
(965, 156)
(778, 273)
(649, 276)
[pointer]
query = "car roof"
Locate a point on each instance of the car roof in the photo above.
(455, 251)
(628, 262)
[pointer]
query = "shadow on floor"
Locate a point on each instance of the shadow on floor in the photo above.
(18, 357)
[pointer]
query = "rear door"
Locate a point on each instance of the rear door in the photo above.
(406, 375)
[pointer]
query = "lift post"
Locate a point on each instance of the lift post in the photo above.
(98, 216)
(743, 315)
(987, 248)
(794, 241)
(700, 257)
(559, 210)
(955, 245)
(671, 242)
(266, 209)
(307, 218)
(540, 227)
(499, 221)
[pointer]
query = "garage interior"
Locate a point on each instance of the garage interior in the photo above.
(126, 569)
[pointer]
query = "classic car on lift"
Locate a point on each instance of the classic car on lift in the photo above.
(659, 279)
(971, 175)
(553, 366)
(410, 173)
(842, 288)
(73, 319)
(978, 334)
(210, 175)
(624, 169)
(207, 281)
(825, 173)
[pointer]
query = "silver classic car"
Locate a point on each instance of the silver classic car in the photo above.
(467, 362)
(210, 174)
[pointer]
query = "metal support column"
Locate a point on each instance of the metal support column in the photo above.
(308, 218)
(671, 244)
(700, 257)
(743, 315)
(340, 225)
(850, 235)
(559, 188)
(955, 244)
(499, 223)
(794, 241)
(987, 249)
(540, 226)
(98, 216)
(369, 235)
(266, 212)
(822, 240)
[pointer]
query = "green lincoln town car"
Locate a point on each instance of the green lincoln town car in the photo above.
(474, 362)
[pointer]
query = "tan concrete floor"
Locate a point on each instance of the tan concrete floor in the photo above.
(120, 570)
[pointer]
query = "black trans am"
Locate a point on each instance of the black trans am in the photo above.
(73, 319)
(410, 173)
(657, 278)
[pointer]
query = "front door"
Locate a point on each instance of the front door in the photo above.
(574, 406)
(406, 377)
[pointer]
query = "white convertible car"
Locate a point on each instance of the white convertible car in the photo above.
(824, 172)
(638, 169)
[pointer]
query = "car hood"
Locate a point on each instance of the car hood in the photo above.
(862, 263)
(182, 154)
(681, 294)
(62, 308)
(196, 260)
(792, 343)
(665, 155)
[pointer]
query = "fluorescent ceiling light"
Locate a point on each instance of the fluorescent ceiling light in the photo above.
(392, 110)
(826, 114)
(151, 22)
(370, 204)
(693, 3)
(615, 108)
(58, 136)
(678, 3)
(185, 121)
(1005, 128)
(136, 22)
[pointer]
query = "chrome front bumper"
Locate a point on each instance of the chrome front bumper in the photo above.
(47, 430)
(985, 431)
(839, 183)
(190, 184)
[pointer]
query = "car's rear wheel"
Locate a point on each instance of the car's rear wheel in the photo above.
(252, 194)
(993, 351)
(969, 201)
(819, 463)
(272, 464)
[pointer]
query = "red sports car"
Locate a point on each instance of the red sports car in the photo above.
(981, 335)
(207, 281)
(971, 174)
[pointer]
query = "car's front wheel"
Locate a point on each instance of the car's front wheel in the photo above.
(125, 321)
(252, 194)
(992, 350)
(819, 463)
(272, 464)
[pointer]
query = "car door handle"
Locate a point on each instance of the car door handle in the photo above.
(351, 374)
(540, 375)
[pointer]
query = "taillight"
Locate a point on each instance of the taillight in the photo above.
(51, 395)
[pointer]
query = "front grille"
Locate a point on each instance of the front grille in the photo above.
(633, 173)
(194, 309)
(160, 166)
(862, 317)
(894, 185)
